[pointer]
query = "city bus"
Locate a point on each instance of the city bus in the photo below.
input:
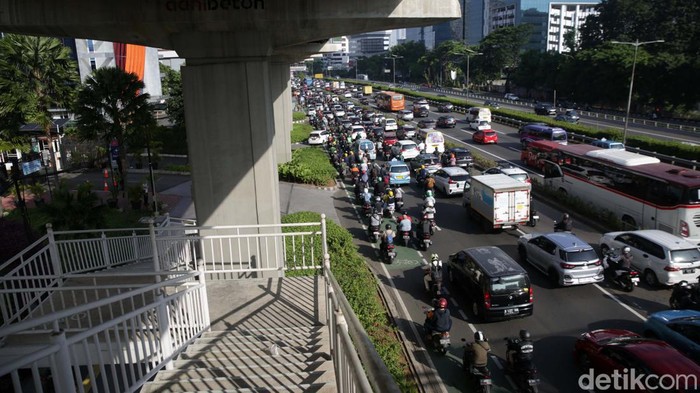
(641, 191)
(390, 101)
(541, 132)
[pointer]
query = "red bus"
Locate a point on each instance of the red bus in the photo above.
(390, 101)
(639, 190)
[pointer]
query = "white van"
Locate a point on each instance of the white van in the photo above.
(478, 113)
(434, 141)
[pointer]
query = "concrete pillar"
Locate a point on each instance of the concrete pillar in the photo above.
(281, 90)
(230, 133)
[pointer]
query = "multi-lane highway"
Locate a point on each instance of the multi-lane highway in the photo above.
(560, 314)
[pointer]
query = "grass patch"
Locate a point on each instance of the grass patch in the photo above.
(300, 132)
(296, 116)
(309, 166)
(360, 288)
(178, 168)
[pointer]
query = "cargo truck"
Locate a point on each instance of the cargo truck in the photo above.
(499, 201)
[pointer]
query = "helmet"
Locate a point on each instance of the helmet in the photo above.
(479, 336)
(429, 193)
(422, 167)
(378, 198)
(442, 303)
(626, 250)
(388, 226)
(524, 335)
(434, 257)
(430, 204)
(566, 215)
(366, 190)
(391, 193)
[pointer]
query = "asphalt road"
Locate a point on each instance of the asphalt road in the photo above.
(561, 314)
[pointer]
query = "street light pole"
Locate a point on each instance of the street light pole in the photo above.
(636, 45)
(393, 59)
(475, 54)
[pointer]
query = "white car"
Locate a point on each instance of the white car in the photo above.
(318, 137)
(358, 132)
(450, 180)
(390, 124)
(479, 125)
(511, 96)
(406, 115)
(661, 257)
(405, 150)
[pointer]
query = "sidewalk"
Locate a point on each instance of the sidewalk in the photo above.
(293, 198)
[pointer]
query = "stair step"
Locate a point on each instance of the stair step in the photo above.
(256, 347)
(260, 342)
(227, 358)
(302, 331)
(187, 386)
(227, 377)
(252, 364)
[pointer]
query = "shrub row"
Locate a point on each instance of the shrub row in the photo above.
(360, 288)
(300, 132)
(297, 116)
(310, 166)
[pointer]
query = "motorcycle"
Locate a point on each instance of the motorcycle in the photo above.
(389, 253)
(623, 278)
(436, 285)
(480, 377)
(406, 235)
(426, 242)
(559, 227)
(399, 204)
(389, 209)
(534, 217)
(685, 296)
(374, 233)
(524, 372)
(367, 209)
(437, 341)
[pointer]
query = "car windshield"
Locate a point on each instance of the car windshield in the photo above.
(461, 154)
(520, 177)
(430, 161)
(579, 255)
(685, 256)
(559, 136)
(509, 284)
(408, 146)
(459, 177)
(399, 169)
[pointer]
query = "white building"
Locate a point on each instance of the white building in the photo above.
(565, 17)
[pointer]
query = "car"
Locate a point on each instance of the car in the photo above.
(446, 122)
(566, 119)
(390, 138)
(377, 131)
(450, 180)
(564, 257)
(406, 115)
(463, 156)
(405, 150)
(445, 107)
(680, 328)
(661, 257)
(364, 101)
(608, 352)
(496, 285)
(398, 171)
(358, 132)
(511, 96)
(606, 144)
(507, 169)
(492, 104)
(485, 136)
(419, 111)
(328, 115)
(427, 123)
(479, 125)
(421, 102)
(318, 137)
(406, 131)
(573, 114)
(390, 124)
(544, 108)
(429, 160)
(346, 124)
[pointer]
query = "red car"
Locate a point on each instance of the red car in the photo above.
(623, 355)
(389, 139)
(485, 136)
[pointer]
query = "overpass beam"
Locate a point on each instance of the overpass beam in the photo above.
(230, 134)
(281, 89)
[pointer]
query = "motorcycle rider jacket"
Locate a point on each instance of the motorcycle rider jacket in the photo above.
(405, 225)
(479, 351)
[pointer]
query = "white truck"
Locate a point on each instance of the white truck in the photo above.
(500, 201)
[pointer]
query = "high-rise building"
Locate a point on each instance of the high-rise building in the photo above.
(370, 44)
(563, 18)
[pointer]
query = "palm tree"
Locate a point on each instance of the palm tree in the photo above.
(111, 106)
(36, 74)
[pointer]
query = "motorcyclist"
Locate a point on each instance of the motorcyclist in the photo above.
(429, 210)
(398, 194)
(439, 319)
(476, 353)
(520, 350)
(378, 207)
(566, 224)
(387, 238)
(422, 174)
(379, 187)
(405, 223)
(423, 227)
(433, 269)
(624, 263)
(366, 196)
(375, 221)
(429, 198)
(430, 182)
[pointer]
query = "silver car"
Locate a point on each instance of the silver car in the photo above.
(564, 257)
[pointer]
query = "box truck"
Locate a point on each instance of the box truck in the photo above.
(500, 201)
(367, 90)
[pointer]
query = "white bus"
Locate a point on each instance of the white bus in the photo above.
(639, 190)
(478, 113)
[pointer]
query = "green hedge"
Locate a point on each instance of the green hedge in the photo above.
(296, 116)
(359, 286)
(310, 166)
(300, 132)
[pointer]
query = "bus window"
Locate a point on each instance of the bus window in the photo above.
(552, 170)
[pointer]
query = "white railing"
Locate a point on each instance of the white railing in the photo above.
(121, 343)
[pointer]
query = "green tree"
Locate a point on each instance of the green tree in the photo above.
(36, 75)
(408, 67)
(172, 88)
(111, 106)
(75, 211)
(501, 51)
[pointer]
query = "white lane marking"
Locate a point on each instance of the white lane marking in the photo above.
(404, 310)
(620, 302)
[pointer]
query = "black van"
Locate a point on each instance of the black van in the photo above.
(497, 285)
